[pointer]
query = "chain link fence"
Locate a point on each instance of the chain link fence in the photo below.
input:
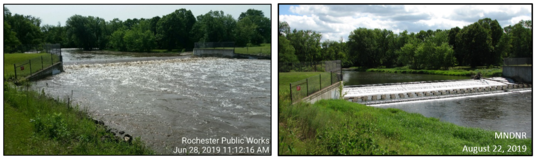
(517, 61)
(323, 66)
(302, 67)
(26, 68)
(214, 45)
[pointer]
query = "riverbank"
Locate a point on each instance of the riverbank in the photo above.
(338, 127)
(35, 124)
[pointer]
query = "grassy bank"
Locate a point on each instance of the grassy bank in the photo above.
(35, 124)
(338, 127)
(493, 72)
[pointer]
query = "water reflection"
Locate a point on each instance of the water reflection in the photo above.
(507, 112)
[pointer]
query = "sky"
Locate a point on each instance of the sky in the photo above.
(52, 14)
(336, 21)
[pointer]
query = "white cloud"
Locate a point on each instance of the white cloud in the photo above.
(335, 21)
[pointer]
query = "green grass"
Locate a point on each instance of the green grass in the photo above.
(263, 49)
(285, 78)
(339, 127)
(19, 58)
(457, 71)
(35, 124)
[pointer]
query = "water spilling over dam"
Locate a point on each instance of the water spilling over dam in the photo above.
(410, 91)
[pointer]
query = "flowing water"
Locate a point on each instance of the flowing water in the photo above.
(169, 102)
(494, 110)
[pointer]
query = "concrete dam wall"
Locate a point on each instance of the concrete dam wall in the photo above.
(519, 73)
(399, 92)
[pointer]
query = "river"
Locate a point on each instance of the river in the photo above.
(502, 111)
(168, 102)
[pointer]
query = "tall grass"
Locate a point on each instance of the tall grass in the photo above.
(35, 124)
(339, 127)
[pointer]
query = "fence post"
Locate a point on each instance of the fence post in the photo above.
(41, 62)
(15, 67)
(291, 98)
(52, 60)
(307, 86)
(30, 61)
(331, 75)
(320, 81)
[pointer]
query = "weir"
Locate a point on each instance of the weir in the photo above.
(411, 91)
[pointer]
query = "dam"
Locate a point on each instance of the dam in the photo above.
(370, 94)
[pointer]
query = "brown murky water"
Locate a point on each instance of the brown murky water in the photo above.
(167, 102)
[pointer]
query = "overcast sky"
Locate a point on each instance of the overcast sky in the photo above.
(52, 14)
(336, 21)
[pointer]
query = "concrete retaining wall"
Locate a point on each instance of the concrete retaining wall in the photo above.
(330, 92)
(518, 73)
(49, 71)
(214, 52)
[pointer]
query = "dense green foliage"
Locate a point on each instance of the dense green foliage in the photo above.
(178, 30)
(483, 43)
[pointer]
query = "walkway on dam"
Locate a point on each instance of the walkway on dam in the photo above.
(397, 92)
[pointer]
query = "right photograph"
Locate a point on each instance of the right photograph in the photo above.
(392, 79)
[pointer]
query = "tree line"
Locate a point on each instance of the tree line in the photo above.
(483, 43)
(178, 30)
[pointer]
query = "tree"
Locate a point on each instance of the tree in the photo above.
(173, 30)
(284, 28)
(521, 39)
(263, 26)
(116, 41)
(26, 28)
(286, 51)
(10, 38)
(246, 32)
(214, 26)
(364, 48)
(306, 44)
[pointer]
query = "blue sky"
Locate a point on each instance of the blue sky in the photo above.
(336, 21)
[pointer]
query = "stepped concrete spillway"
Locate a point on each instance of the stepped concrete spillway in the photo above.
(399, 92)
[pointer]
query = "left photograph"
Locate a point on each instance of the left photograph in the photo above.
(137, 79)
